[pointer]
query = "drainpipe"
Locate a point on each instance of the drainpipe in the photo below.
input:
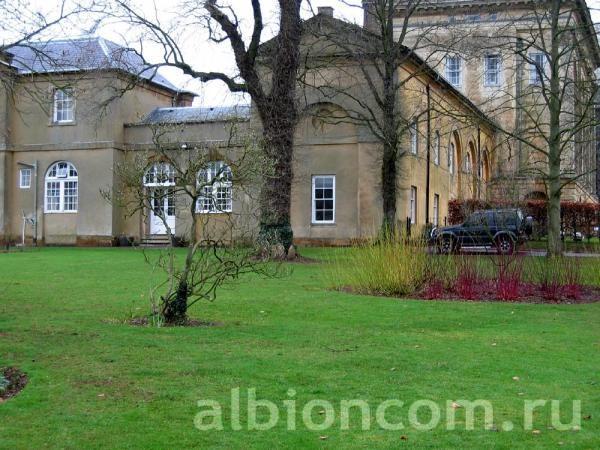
(479, 162)
(427, 181)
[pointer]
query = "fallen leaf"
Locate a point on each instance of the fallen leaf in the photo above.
(536, 432)
(493, 344)
(100, 395)
(516, 378)
(456, 405)
(588, 417)
(322, 437)
(322, 411)
(404, 438)
(392, 369)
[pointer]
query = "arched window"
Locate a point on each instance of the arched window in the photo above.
(160, 174)
(61, 189)
(468, 163)
(436, 148)
(451, 151)
(215, 184)
(414, 137)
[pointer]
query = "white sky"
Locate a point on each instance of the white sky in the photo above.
(199, 53)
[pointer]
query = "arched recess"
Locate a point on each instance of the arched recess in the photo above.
(485, 165)
(455, 158)
(470, 168)
(325, 122)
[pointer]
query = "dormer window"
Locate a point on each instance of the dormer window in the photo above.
(64, 106)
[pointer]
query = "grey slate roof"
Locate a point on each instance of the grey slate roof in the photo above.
(196, 115)
(83, 54)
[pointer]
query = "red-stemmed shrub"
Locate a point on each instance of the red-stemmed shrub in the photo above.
(468, 280)
(509, 277)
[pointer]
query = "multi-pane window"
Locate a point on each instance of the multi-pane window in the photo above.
(414, 138)
(413, 205)
(436, 148)
(492, 70)
(453, 70)
(436, 210)
(215, 184)
(64, 106)
(451, 158)
(160, 174)
(62, 185)
(25, 178)
(536, 67)
(323, 199)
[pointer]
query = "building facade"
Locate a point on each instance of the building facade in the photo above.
(499, 55)
(59, 150)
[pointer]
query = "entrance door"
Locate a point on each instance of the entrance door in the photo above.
(163, 210)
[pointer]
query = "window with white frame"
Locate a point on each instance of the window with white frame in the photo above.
(414, 138)
(61, 190)
(453, 70)
(436, 148)
(436, 210)
(323, 199)
(25, 178)
(492, 70)
(413, 205)
(215, 183)
(64, 106)
(537, 67)
(451, 151)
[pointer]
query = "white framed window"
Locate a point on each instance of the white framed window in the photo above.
(453, 70)
(413, 205)
(61, 188)
(414, 138)
(492, 70)
(436, 210)
(323, 199)
(436, 148)
(537, 67)
(451, 151)
(160, 174)
(64, 106)
(216, 185)
(25, 178)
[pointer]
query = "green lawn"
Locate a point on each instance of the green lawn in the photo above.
(96, 382)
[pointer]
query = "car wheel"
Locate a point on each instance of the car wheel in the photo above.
(505, 245)
(446, 245)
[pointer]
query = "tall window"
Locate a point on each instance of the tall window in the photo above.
(61, 188)
(451, 158)
(64, 106)
(536, 67)
(215, 182)
(160, 174)
(436, 210)
(492, 70)
(468, 163)
(25, 178)
(436, 148)
(323, 199)
(413, 205)
(453, 70)
(414, 138)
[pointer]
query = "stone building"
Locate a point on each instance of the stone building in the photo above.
(67, 121)
(498, 53)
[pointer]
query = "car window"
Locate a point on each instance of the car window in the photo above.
(480, 219)
(506, 218)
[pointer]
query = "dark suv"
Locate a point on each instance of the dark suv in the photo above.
(502, 229)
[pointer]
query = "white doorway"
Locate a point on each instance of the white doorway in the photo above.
(162, 213)
(159, 180)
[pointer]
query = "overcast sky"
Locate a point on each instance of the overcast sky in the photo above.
(203, 55)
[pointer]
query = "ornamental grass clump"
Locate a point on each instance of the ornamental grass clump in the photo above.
(390, 265)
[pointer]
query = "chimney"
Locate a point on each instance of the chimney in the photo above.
(325, 11)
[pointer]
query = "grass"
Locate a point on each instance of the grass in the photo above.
(591, 245)
(98, 383)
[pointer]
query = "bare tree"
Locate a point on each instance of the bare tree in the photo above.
(365, 70)
(267, 73)
(535, 78)
(194, 182)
